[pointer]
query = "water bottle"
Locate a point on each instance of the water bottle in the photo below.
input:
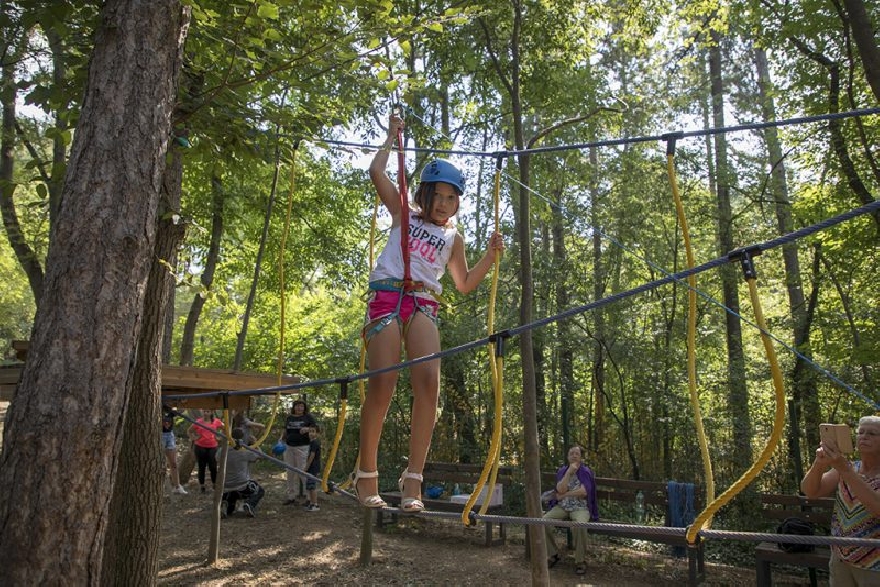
(640, 507)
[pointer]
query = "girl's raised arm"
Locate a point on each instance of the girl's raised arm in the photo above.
(384, 186)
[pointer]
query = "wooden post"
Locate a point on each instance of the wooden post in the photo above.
(214, 546)
(367, 537)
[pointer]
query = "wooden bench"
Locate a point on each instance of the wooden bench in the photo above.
(623, 492)
(450, 474)
(778, 507)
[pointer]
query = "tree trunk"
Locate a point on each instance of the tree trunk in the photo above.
(462, 414)
(566, 354)
(59, 151)
(738, 398)
(25, 255)
(598, 379)
(804, 391)
(863, 33)
(835, 128)
(252, 294)
(64, 428)
(187, 345)
(132, 544)
(522, 220)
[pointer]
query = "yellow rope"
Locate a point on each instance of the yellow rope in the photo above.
(280, 363)
(778, 423)
(496, 365)
(692, 331)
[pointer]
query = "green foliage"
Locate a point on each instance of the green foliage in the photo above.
(262, 76)
(16, 301)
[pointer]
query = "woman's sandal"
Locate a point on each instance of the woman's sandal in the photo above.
(369, 501)
(411, 505)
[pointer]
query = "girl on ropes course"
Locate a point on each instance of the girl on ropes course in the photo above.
(404, 287)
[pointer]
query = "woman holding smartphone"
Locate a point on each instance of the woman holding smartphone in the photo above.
(856, 487)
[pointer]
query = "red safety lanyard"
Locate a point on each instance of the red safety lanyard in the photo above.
(404, 210)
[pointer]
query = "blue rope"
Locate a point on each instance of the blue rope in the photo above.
(577, 310)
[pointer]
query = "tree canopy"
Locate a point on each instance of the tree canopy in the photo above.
(279, 104)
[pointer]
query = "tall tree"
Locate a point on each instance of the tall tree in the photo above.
(218, 199)
(511, 79)
(131, 548)
(13, 49)
(737, 394)
(64, 428)
(804, 390)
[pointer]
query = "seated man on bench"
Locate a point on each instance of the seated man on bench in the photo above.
(856, 486)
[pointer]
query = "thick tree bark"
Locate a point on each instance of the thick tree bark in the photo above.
(131, 547)
(64, 427)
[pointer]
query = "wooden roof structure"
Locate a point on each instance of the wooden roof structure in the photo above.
(176, 381)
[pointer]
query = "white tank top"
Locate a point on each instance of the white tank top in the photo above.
(430, 247)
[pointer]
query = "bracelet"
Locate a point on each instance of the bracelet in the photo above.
(385, 148)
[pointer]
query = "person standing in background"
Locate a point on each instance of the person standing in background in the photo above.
(169, 445)
(296, 437)
(313, 467)
(202, 434)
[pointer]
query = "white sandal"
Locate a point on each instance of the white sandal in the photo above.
(369, 501)
(412, 505)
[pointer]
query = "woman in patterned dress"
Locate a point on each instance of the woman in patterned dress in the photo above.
(856, 486)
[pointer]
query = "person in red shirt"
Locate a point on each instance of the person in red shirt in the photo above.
(202, 434)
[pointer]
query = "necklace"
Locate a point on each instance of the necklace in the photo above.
(869, 473)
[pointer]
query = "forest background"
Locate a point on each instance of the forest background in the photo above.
(278, 104)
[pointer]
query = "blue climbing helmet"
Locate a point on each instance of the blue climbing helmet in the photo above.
(443, 170)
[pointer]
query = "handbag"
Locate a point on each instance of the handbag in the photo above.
(795, 526)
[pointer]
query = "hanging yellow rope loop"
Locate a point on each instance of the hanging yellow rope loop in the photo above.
(745, 256)
(343, 407)
(496, 363)
(279, 369)
(692, 323)
(343, 401)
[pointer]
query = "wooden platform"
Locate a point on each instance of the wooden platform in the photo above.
(176, 381)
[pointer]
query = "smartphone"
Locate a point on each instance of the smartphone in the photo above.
(837, 436)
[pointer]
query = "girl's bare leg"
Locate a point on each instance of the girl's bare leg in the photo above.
(383, 351)
(422, 339)
(173, 473)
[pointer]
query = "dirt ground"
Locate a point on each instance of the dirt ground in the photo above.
(285, 545)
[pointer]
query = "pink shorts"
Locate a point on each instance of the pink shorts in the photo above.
(383, 303)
